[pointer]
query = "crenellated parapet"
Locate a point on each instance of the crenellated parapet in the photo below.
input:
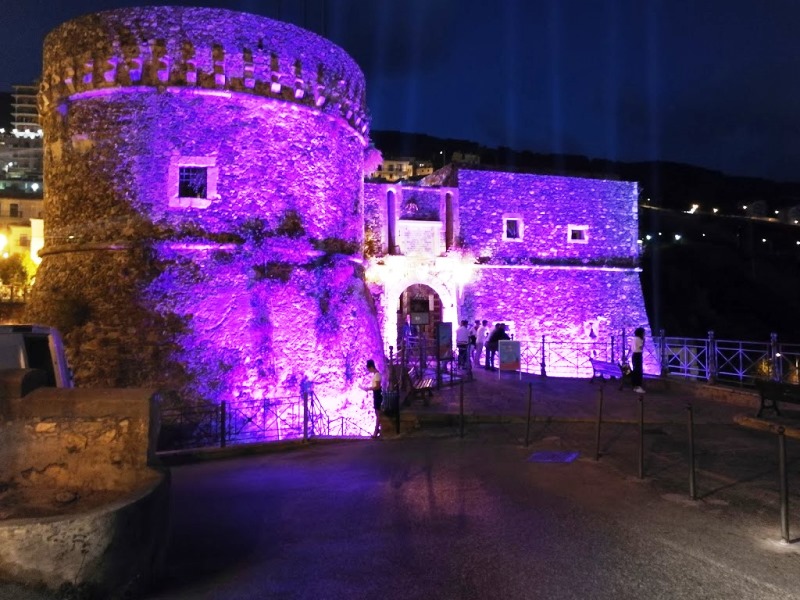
(204, 49)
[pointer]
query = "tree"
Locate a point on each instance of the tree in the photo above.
(13, 270)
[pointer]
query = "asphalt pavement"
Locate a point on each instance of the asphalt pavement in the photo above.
(500, 505)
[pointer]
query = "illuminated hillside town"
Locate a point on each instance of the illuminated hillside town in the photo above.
(210, 187)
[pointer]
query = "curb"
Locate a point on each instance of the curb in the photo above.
(766, 426)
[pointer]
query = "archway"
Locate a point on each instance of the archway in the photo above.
(421, 307)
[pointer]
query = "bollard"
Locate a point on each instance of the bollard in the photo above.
(222, 424)
(641, 436)
(397, 411)
(305, 415)
(461, 402)
(784, 485)
(530, 403)
(692, 488)
(599, 421)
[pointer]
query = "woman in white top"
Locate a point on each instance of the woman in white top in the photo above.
(377, 395)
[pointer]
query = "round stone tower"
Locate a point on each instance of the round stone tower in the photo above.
(204, 206)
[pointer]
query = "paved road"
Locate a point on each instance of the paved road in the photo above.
(435, 516)
(432, 515)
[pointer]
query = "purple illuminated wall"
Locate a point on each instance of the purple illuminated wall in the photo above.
(247, 291)
(581, 293)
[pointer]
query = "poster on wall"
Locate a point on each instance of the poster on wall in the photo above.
(509, 352)
(444, 341)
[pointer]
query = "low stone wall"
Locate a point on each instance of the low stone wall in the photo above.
(81, 502)
(81, 439)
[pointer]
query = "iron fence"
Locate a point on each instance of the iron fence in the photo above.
(303, 416)
(252, 421)
(708, 359)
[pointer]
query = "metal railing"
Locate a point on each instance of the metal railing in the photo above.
(251, 421)
(708, 359)
(303, 417)
(729, 361)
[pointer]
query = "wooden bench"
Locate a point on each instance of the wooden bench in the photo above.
(420, 384)
(601, 369)
(772, 392)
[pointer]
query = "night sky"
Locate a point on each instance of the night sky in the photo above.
(713, 83)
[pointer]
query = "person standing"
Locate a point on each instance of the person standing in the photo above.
(493, 344)
(409, 333)
(480, 341)
(462, 343)
(377, 395)
(637, 364)
(473, 339)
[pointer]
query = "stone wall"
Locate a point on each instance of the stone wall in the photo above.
(547, 205)
(412, 205)
(240, 293)
(78, 440)
(572, 305)
(202, 48)
(80, 504)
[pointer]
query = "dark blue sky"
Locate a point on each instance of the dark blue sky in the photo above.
(714, 83)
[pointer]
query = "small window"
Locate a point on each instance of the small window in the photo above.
(578, 234)
(192, 182)
(24, 241)
(512, 228)
(14, 210)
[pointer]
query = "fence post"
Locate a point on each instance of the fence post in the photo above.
(641, 436)
(543, 369)
(223, 417)
(599, 421)
(775, 357)
(692, 482)
(305, 416)
(664, 364)
(711, 362)
(461, 403)
(624, 346)
(784, 485)
(528, 428)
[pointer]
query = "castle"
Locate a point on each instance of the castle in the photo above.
(206, 219)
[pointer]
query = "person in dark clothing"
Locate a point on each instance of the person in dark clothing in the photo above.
(409, 334)
(493, 343)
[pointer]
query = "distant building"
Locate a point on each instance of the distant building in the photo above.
(22, 153)
(422, 168)
(395, 169)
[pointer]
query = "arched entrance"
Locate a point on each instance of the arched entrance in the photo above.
(421, 307)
